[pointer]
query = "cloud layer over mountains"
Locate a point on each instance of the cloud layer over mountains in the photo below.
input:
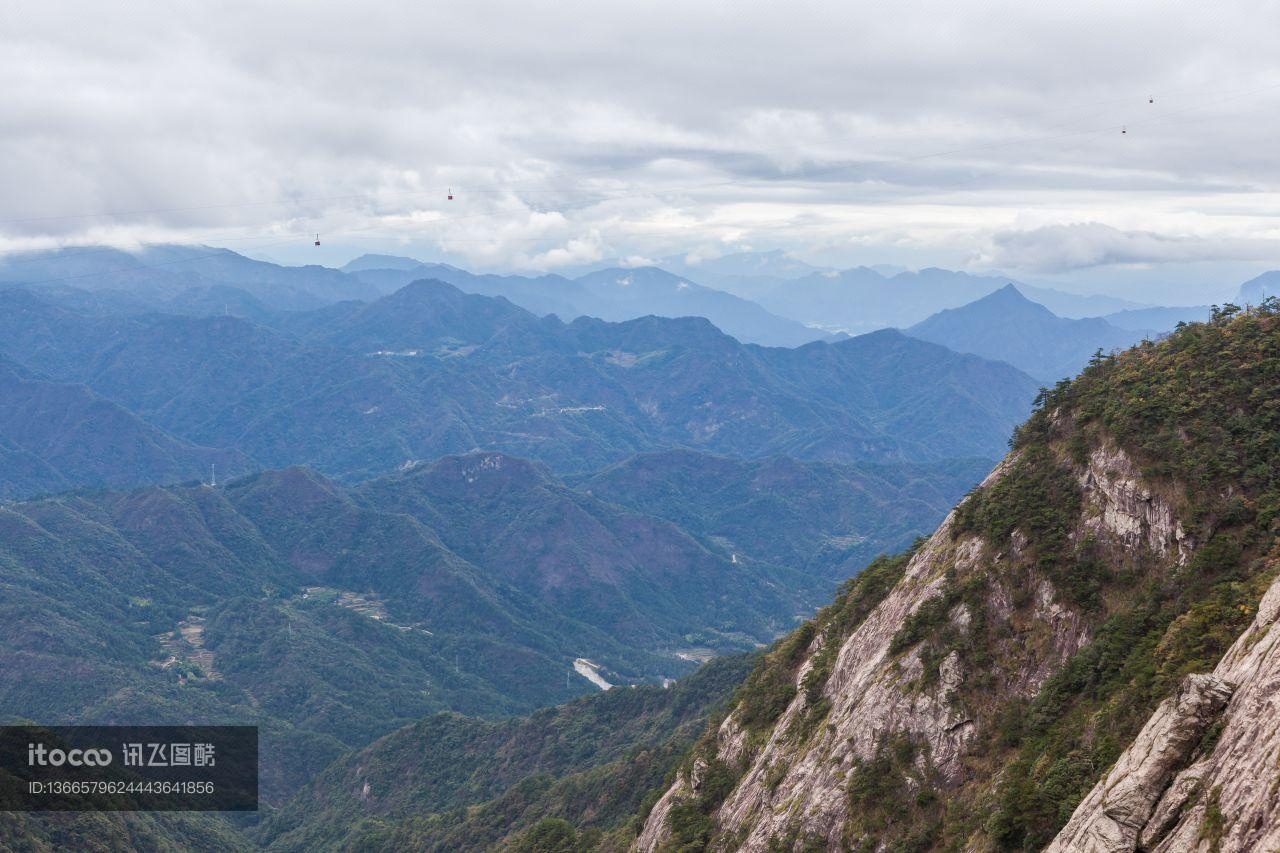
(572, 132)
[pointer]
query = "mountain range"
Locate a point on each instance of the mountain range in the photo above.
(1083, 656)
(58, 436)
(615, 294)
(464, 511)
(759, 297)
(157, 273)
(862, 299)
(1007, 326)
(439, 571)
(330, 614)
(757, 275)
(359, 389)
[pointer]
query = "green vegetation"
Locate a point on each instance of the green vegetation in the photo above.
(172, 603)
(472, 783)
(157, 832)
(1214, 823)
(858, 596)
(1198, 413)
(767, 692)
(890, 796)
(549, 835)
(690, 820)
(468, 585)
(56, 436)
(312, 392)
(787, 512)
(771, 686)
(1087, 713)
(932, 627)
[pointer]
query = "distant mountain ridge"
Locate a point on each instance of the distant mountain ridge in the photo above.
(1158, 319)
(614, 294)
(824, 519)
(330, 614)
(163, 272)
(356, 389)
(618, 294)
(861, 299)
(1008, 326)
(759, 297)
(59, 436)
(1255, 290)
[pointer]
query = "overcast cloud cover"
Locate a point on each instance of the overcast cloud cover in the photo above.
(975, 135)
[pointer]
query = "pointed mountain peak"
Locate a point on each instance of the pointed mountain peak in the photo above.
(1009, 292)
(1007, 298)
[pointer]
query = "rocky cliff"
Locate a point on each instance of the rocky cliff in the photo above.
(1158, 798)
(1080, 657)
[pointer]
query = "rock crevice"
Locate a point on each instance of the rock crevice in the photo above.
(1227, 800)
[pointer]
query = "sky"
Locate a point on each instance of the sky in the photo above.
(983, 136)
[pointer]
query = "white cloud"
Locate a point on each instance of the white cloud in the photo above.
(575, 251)
(635, 261)
(1083, 245)
(905, 133)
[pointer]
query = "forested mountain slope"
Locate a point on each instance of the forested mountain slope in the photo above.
(56, 436)
(451, 783)
(970, 693)
(356, 390)
(825, 519)
(331, 616)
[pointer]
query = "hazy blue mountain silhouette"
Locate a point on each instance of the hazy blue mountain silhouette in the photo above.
(1008, 326)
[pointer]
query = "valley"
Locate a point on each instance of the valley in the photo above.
(434, 508)
(665, 427)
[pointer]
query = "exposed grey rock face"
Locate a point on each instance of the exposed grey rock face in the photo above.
(655, 828)
(866, 702)
(798, 790)
(1127, 509)
(1111, 818)
(1226, 800)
